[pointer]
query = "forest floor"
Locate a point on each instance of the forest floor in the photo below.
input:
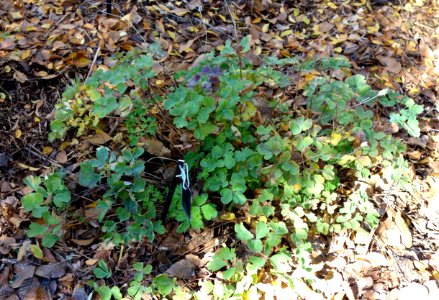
(46, 44)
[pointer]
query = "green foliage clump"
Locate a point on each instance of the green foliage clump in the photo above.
(253, 151)
(118, 91)
(297, 159)
(127, 193)
(49, 198)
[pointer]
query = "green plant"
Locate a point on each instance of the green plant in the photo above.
(200, 210)
(115, 91)
(136, 288)
(102, 270)
(161, 284)
(49, 197)
(295, 158)
(127, 194)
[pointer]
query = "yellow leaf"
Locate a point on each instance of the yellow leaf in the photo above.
(332, 5)
(414, 91)
(255, 21)
(47, 150)
(286, 32)
(18, 133)
(171, 34)
(365, 161)
(377, 42)
(309, 77)
(338, 49)
(24, 166)
(306, 20)
(339, 39)
(296, 12)
(373, 29)
(36, 251)
(346, 159)
(222, 18)
(25, 54)
(193, 29)
(335, 138)
(228, 216)
(265, 27)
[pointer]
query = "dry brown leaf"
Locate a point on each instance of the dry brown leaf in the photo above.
(37, 293)
(155, 147)
(6, 243)
(182, 269)
(413, 291)
(99, 138)
(23, 271)
(52, 270)
(83, 242)
(61, 157)
(20, 77)
(405, 233)
(390, 64)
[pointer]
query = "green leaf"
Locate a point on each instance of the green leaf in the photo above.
(32, 201)
(49, 240)
(36, 251)
(281, 262)
(304, 143)
(216, 265)
(53, 183)
(164, 284)
(226, 195)
(115, 291)
(104, 292)
(102, 154)
(300, 124)
(209, 211)
(36, 229)
(227, 274)
(245, 44)
(242, 233)
(261, 230)
(255, 263)
(102, 270)
(62, 198)
(87, 176)
(255, 245)
(33, 182)
(138, 266)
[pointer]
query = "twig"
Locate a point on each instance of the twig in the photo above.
(56, 24)
(93, 62)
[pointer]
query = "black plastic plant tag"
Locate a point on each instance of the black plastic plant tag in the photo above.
(182, 171)
(186, 192)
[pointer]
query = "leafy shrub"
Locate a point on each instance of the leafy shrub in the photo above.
(286, 165)
(295, 158)
(49, 196)
(127, 193)
(119, 91)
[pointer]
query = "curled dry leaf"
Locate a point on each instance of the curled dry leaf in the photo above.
(52, 270)
(182, 269)
(23, 272)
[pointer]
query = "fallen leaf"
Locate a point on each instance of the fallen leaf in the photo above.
(23, 271)
(390, 64)
(182, 269)
(61, 157)
(20, 77)
(52, 270)
(99, 138)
